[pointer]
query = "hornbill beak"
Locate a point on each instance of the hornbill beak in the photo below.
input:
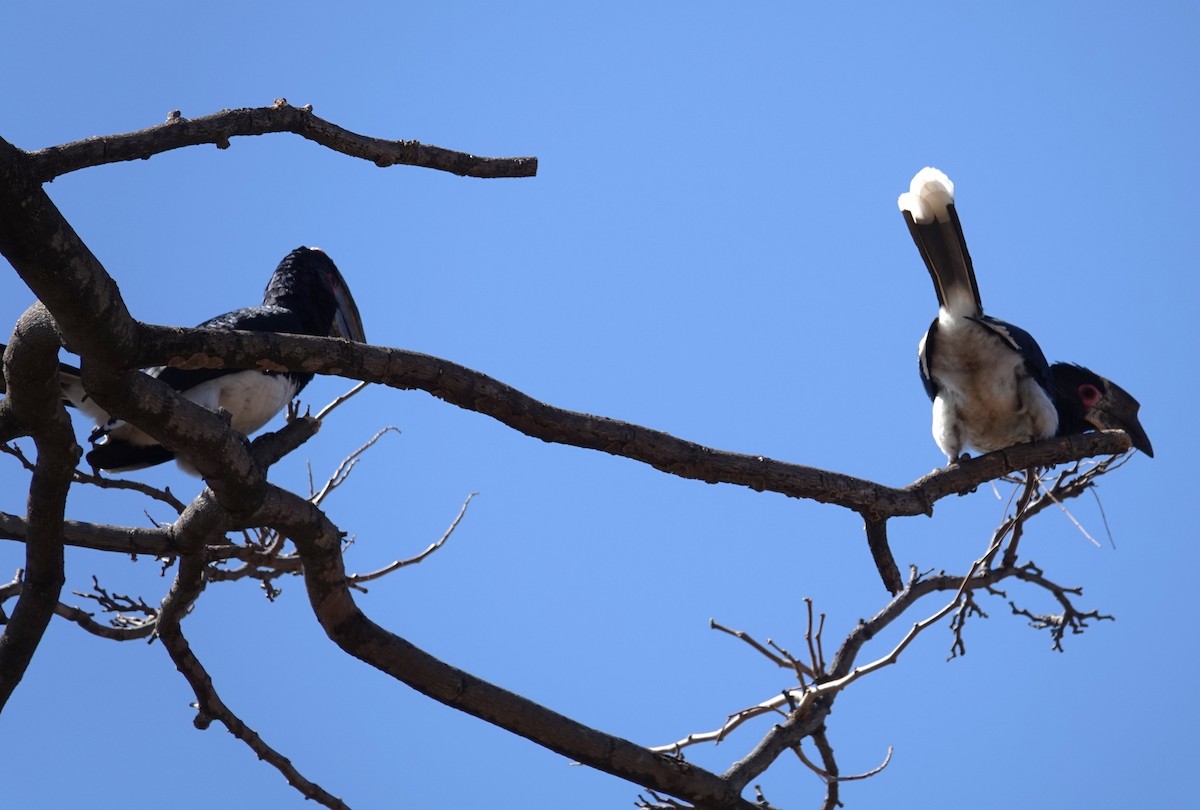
(1116, 409)
(347, 323)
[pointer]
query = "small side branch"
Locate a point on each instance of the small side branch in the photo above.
(81, 477)
(127, 613)
(347, 465)
(773, 705)
(966, 609)
(1058, 624)
(774, 657)
(189, 582)
(828, 770)
(339, 400)
(1028, 494)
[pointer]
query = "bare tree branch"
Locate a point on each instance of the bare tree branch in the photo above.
(328, 409)
(474, 391)
(178, 132)
(1071, 618)
(347, 465)
(830, 771)
(157, 494)
(358, 579)
(76, 615)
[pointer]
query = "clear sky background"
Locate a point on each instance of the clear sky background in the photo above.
(711, 248)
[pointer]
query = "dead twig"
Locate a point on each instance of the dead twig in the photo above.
(356, 580)
(347, 465)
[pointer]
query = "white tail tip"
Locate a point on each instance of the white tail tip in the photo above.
(928, 196)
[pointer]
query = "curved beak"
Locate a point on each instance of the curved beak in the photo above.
(347, 323)
(1118, 410)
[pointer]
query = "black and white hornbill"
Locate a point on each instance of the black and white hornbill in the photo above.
(989, 381)
(305, 296)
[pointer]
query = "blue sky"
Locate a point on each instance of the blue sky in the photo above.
(711, 248)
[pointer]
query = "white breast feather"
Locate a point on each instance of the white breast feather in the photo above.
(986, 398)
(251, 398)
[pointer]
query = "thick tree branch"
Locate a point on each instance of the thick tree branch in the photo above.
(178, 132)
(472, 390)
(478, 392)
(64, 275)
(118, 539)
(31, 370)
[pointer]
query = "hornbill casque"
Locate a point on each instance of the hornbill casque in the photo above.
(305, 296)
(989, 381)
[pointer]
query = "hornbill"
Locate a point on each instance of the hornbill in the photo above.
(305, 296)
(989, 380)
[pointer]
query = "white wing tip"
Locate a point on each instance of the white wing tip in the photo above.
(928, 197)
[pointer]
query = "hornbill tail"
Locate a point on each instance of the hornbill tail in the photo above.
(928, 208)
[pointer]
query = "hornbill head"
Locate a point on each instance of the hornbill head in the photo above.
(308, 283)
(1087, 401)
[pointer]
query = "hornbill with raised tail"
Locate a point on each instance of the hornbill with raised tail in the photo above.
(305, 296)
(989, 380)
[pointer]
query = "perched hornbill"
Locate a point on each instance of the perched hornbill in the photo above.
(989, 381)
(305, 296)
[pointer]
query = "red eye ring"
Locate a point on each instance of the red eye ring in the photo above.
(1089, 394)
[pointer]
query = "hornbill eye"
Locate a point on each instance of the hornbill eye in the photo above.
(1089, 394)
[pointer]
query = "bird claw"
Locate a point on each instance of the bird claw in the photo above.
(293, 411)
